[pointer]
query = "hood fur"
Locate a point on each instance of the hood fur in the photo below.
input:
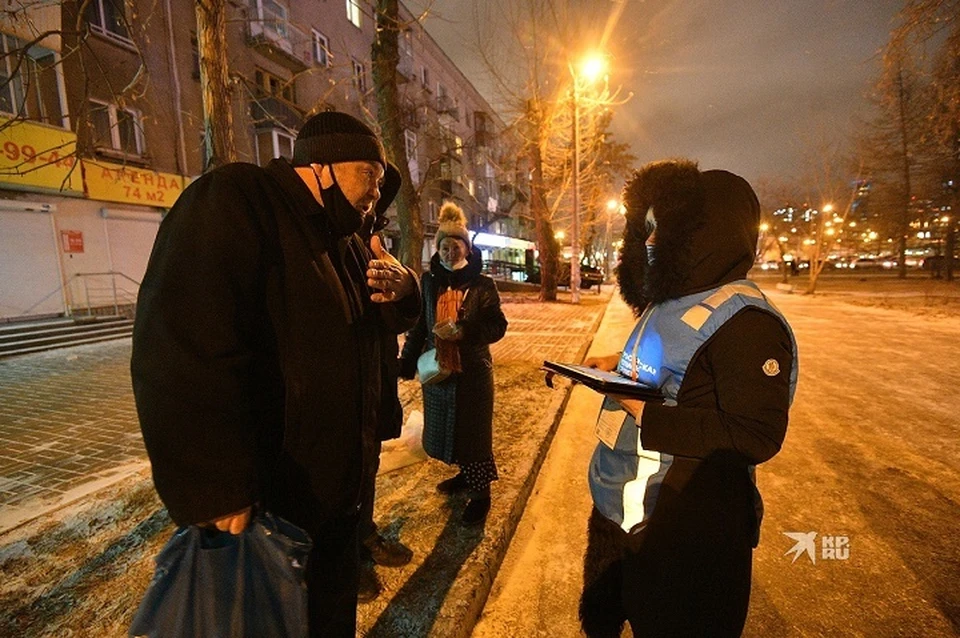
(706, 231)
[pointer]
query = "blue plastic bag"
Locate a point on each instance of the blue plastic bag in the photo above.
(215, 584)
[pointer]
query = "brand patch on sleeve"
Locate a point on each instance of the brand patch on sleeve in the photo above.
(771, 367)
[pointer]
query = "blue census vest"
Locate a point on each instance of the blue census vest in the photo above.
(625, 481)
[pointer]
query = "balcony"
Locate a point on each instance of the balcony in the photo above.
(281, 42)
(270, 112)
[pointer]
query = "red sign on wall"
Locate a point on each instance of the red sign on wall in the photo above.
(72, 241)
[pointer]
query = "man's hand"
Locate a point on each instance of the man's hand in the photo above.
(234, 523)
(607, 363)
(386, 274)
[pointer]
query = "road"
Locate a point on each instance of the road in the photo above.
(871, 459)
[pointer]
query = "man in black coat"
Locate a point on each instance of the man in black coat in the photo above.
(257, 348)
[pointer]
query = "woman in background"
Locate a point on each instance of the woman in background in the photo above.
(461, 317)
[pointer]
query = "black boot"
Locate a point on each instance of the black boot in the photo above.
(477, 509)
(452, 485)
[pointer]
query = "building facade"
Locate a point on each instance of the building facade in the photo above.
(102, 129)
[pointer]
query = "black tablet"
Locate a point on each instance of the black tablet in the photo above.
(604, 382)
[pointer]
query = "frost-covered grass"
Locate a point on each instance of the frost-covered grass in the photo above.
(81, 571)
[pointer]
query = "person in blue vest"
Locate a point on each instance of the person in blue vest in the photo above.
(676, 509)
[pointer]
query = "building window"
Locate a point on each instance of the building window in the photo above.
(425, 77)
(410, 146)
(353, 12)
(273, 143)
(458, 146)
(359, 77)
(270, 84)
(29, 82)
(321, 49)
(116, 128)
(432, 210)
(471, 187)
(108, 17)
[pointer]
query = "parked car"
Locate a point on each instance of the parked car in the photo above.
(865, 263)
(589, 276)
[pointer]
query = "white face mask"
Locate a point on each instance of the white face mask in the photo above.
(457, 266)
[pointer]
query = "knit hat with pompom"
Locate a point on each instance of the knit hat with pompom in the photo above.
(453, 223)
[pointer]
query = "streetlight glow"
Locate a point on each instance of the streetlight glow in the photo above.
(592, 67)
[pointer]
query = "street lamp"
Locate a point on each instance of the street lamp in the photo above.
(590, 69)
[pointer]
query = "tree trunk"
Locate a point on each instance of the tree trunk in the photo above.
(385, 56)
(903, 226)
(215, 83)
(546, 242)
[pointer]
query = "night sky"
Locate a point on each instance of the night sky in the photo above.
(745, 85)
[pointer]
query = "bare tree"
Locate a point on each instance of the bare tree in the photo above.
(386, 57)
(936, 23)
(215, 82)
(894, 143)
(529, 62)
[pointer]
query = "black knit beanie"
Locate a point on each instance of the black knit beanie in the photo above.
(330, 136)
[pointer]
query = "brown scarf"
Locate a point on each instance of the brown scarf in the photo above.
(448, 309)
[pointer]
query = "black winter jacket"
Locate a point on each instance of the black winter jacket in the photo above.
(458, 413)
(256, 356)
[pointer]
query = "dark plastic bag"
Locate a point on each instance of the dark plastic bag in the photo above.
(215, 584)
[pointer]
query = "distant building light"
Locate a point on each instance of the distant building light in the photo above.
(500, 241)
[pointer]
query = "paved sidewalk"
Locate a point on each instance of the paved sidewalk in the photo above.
(67, 426)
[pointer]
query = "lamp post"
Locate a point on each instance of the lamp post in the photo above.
(591, 67)
(575, 226)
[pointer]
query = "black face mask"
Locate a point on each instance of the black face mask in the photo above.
(344, 218)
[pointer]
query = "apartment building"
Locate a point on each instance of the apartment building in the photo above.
(101, 129)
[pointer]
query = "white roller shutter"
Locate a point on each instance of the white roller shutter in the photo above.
(130, 237)
(29, 263)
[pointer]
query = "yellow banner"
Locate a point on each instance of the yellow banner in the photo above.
(131, 185)
(37, 155)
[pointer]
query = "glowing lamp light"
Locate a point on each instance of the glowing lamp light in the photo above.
(592, 67)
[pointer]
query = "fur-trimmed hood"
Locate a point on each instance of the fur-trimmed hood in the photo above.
(706, 231)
